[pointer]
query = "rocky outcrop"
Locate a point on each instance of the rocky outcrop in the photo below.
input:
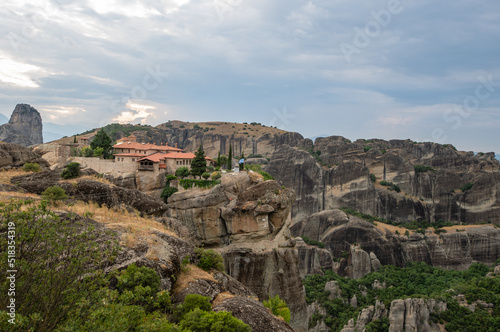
(15, 155)
(412, 315)
(239, 209)
(409, 315)
(269, 272)
(92, 191)
(312, 260)
(428, 175)
(254, 314)
(24, 127)
(368, 246)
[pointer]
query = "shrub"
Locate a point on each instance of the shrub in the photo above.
(209, 259)
(367, 148)
(170, 177)
(134, 276)
(422, 168)
(373, 178)
(189, 183)
(467, 187)
(216, 176)
(205, 175)
(54, 255)
(278, 307)
(196, 126)
(54, 193)
(385, 183)
(167, 192)
(71, 171)
(182, 172)
(313, 242)
(201, 321)
(255, 156)
(32, 167)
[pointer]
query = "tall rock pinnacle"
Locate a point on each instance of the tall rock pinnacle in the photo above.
(24, 127)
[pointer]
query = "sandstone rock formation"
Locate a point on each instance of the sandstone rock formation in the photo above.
(254, 314)
(268, 272)
(239, 209)
(370, 245)
(89, 190)
(14, 155)
(248, 220)
(429, 176)
(24, 127)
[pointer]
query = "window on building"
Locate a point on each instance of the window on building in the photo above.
(133, 159)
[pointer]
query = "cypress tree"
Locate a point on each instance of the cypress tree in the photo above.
(199, 163)
(230, 158)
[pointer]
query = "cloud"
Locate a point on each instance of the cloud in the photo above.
(256, 57)
(137, 112)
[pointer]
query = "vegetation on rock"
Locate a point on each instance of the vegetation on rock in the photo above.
(71, 171)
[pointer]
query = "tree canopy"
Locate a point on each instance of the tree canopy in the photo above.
(199, 163)
(103, 141)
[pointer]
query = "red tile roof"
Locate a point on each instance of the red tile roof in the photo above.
(128, 155)
(144, 146)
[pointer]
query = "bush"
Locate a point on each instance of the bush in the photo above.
(312, 242)
(170, 177)
(384, 183)
(71, 171)
(422, 168)
(167, 192)
(54, 193)
(182, 172)
(278, 307)
(32, 167)
(216, 176)
(189, 183)
(53, 257)
(373, 178)
(201, 321)
(209, 259)
(467, 187)
(134, 276)
(205, 175)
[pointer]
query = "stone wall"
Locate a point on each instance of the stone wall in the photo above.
(104, 166)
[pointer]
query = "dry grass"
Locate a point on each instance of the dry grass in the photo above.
(191, 274)
(464, 227)
(6, 175)
(221, 297)
(7, 196)
(392, 228)
(120, 220)
(89, 177)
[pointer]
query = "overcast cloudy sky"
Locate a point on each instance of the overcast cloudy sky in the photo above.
(425, 70)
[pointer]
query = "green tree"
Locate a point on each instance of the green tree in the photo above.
(199, 163)
(54, 193)
(205, 175)
(278, 307)
(230, 158)
(167, 192)
(201, 321)
(182, 172)
(56, 262)
(209, 259)
(102, 140)
(71, 171)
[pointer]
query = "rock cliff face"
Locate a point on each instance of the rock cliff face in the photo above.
(24, 127)
(248, 220)
(409, 315)
(432, 180)
(368, 245)
(240, 209)
(14, 155)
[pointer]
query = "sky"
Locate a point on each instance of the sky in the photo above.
(396, 69)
